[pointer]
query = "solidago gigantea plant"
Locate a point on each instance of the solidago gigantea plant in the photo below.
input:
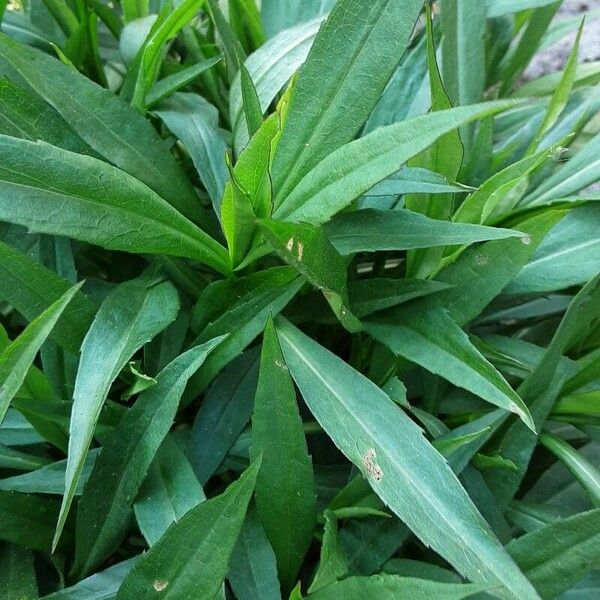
(298, 300)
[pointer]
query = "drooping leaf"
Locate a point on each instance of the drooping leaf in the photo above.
(428, 497)
(132, 314)
(434, 341)
(285, 488)
(192, 558)
(93, 201)
(107, 124)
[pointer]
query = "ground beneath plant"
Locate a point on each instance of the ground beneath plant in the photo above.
(554, 57)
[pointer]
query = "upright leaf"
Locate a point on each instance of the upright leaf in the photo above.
(17, 573)
(192, 558)
(169, 491)
(369, 41)
(356, 167)
(132, 314)
(31, 288)
(285, 488)
(104, 511)
(404, 470)
(18, 357)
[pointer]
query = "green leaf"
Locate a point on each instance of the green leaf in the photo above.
(25, 115)
(105, 508)
(31, 288)
(579, 172)
(271, 68)
(333, 564)
(488, 268)
(306, 248)
(356, 167)
(371, 295)
(278, 15)
(18, 357)
(169, 491)
(132, 314)
(248, 192)
(17, 573)
(415, 180)
(195, 122)
(172, 83)
(49, 479)
(495, 194)
(516, 61)
(192, 558)
(561, 95)
(27, 520)
(244, 321)
(326, 113)
(405, 471)
(253, 569)
(434, 341)
(285, 488)
(463, 51)
(98, 117)
(582, 469)
(569, 255)
(540, 390)
(93, 201)
(152, 52)
(252, 109)
(373, 230)
(445, 156)
(558, 555)
(101, 586)
(391, 587)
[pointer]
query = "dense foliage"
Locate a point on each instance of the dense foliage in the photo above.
(298, 300)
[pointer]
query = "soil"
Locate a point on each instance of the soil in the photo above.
(554, 57)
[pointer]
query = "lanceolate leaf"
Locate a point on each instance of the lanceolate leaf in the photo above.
(18, 357)
(434, 341)
(31, 288)
(111, 128)
(372, 230)
(192, 557)
(356, 167)
(326, 113)
(169, 491)
(285, 488)
(17, 573)
(105, 507)
(427, 497)
(131, 315)
(390, 587)
(94, 202)
(557, 555)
